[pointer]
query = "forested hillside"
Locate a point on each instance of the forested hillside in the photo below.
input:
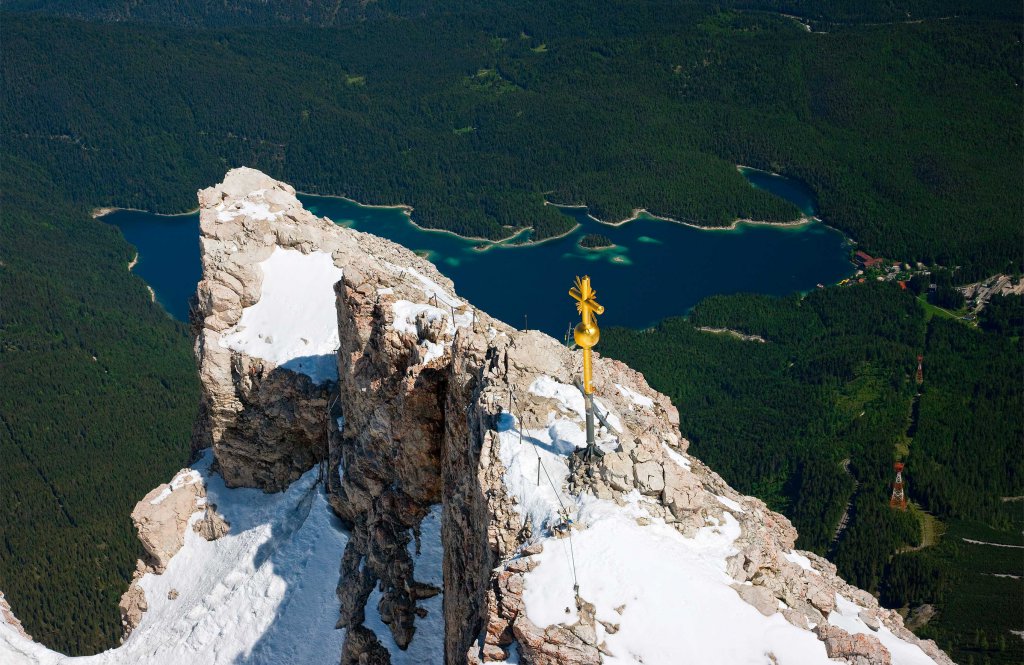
(906, 131)
(832, 382)
(903, 117)
(812, 418)
(212, 13)
(97, 396)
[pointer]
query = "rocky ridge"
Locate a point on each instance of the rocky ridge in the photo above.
(425, 388)
(8, 617)
(161, 518)
(432, 404)
(446, 443)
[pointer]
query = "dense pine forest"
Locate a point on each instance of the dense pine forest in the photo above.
(906, 131)
(97, 396)
(811, 419)
(903, 117)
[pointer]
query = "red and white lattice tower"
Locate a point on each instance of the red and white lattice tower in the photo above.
(899, 498)
(920, 370)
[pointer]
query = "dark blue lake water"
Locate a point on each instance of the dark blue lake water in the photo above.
(656, 269)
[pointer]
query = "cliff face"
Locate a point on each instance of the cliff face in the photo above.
(445, 441)
(440, 427)
(433, 408)
(265, 421)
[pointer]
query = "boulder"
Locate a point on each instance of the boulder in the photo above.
(759, 597)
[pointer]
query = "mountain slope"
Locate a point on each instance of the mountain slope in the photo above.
(451, 442)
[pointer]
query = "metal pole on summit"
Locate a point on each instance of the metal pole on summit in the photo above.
(586, 335)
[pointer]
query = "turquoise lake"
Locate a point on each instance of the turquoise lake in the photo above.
(656, 269)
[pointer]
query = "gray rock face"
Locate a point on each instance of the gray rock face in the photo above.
(162, 515)
(266, 424)
(413, 420)
(390, 449)
(161, 518)
(760, 597)
(859, 649)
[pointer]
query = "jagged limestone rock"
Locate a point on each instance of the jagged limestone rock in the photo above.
(760, 597)
(8, 617)
(424, 385)
(161, 518)
(859, 649)
(425, 389)
(266, 424)
(162, 515)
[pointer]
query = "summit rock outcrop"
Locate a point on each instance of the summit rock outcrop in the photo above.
(437, 426)
(418, 460)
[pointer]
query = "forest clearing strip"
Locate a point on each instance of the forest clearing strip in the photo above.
(983, 542)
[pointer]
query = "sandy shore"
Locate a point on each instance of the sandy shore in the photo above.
(102, 212)
(635, 215)
(407, 209)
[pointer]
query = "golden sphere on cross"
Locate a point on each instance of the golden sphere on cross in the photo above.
(586, 337)
(586, 334)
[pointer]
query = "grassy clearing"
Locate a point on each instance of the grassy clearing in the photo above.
(932, 528)
(934, 310)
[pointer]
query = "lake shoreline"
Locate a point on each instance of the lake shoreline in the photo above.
(640, 214)
(699, 264)
(637, 214)
(503, 242)
(404, 207)
(98, 213)
(488, 243)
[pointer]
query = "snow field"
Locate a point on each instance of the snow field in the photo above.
(262, 594)
(669, 595)
(903, 653)
(427, 644)
(295, 323)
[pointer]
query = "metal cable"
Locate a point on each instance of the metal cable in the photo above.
(565, 511)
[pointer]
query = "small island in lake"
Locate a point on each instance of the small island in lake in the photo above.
(596, 241)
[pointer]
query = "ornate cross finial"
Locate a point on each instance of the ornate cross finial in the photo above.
(586, 304)
(586, 333)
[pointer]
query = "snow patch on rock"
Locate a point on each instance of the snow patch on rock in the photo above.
(729, 503)
(642, 401)
(847, 616)
(264, 592)
(259, 210)
(187, 477)
(294, 324)
(681, 460)
(800, 560)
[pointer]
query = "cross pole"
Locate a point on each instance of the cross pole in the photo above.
(586, 334)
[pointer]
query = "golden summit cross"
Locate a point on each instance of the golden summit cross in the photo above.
(586, 333)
